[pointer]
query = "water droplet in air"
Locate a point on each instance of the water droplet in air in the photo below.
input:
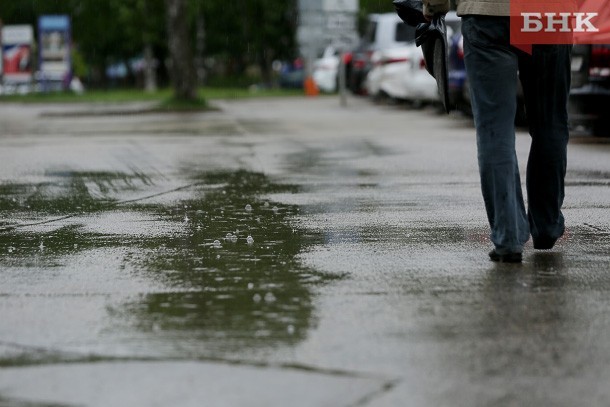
(250, 286)
(256, 298)
(269, 297)
(248, 208)
(250, 240)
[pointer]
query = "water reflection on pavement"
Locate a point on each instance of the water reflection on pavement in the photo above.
(224, 293)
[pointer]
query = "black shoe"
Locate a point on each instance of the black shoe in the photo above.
(545, 242)
(505, 258)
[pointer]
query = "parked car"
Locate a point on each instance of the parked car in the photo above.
(590, 93)
(400, 73)
(459, 94)
(326, 69)
(384, 31)
(459, 89)
(292, 74)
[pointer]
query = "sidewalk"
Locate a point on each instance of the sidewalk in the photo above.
(286, 252)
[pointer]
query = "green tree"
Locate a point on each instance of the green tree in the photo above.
(117, 30)
(251, 31)
(240, 32)
(104, 31)
(183, 73)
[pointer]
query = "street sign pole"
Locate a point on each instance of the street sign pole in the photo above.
(342, 80)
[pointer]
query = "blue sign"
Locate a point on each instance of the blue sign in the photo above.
(54, 23)
(55, 46)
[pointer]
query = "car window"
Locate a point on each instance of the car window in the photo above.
(404, 33)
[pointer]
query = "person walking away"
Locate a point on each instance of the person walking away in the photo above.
(493, 68)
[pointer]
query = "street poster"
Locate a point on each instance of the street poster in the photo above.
(54, 54)
(17, 53)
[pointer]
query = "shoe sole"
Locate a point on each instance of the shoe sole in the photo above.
(505, 258)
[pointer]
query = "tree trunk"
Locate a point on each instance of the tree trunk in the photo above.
(200, 47)
(182, 68)
(264, 62)
(150, 74)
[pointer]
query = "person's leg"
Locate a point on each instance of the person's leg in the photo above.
(492, 66)
(545, 77)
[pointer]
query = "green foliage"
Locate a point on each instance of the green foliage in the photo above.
(79, 66)
(104, 31)
(183, 105)
(376, 6)
(250, 31)
(241, 32)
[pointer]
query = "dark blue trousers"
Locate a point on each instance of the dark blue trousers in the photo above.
(494, 69)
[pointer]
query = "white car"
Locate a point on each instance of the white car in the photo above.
(326, 70)
(400, 73)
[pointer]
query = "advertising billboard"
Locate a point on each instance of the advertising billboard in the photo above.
(1, 64)
(54, 53)
(17, 43)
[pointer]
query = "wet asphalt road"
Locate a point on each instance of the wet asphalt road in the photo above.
(286, 252)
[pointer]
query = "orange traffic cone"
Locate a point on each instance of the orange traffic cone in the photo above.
(311, 89)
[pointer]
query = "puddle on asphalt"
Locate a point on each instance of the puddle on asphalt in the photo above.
(227, 256)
